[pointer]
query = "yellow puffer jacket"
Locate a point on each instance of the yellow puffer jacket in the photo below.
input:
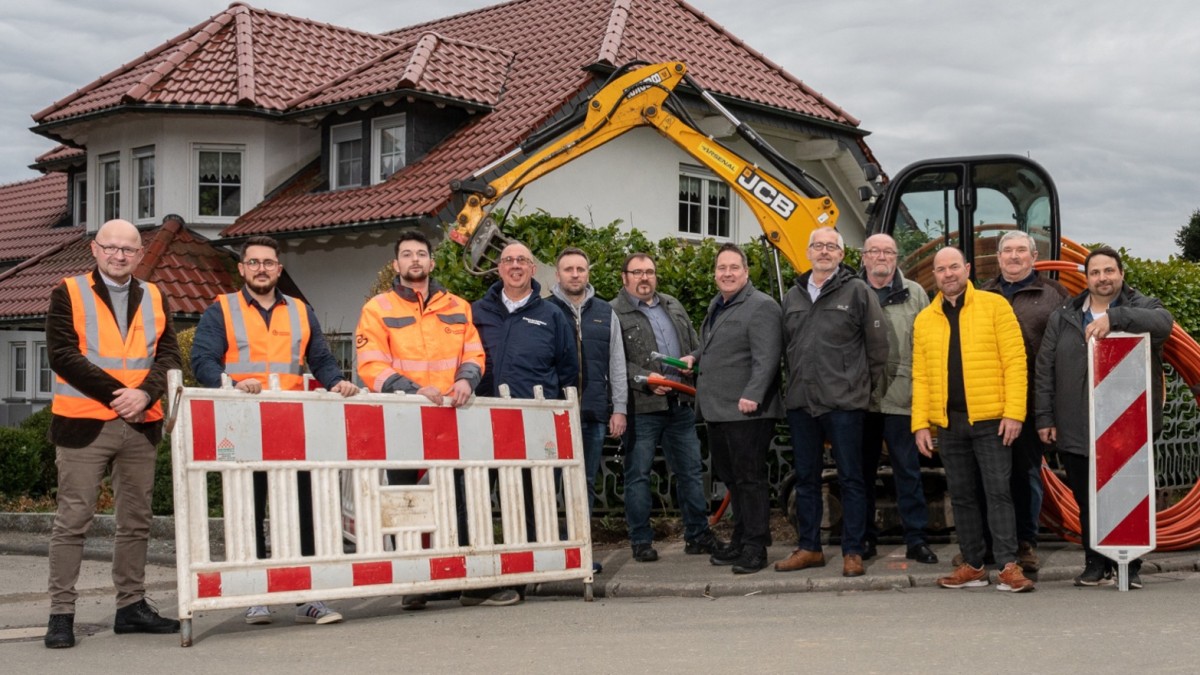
(993, 358)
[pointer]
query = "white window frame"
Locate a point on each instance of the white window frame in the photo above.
(709, 181)
(19, 388)
(39, 351)
(140, 191)
(80, 198)
(378, 126)
(194, 185)
(344, 133)
(109, 197)
(339, 342)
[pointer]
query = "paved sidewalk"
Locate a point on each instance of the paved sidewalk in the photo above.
(674, 574)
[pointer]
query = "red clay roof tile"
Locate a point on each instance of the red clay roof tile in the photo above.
(29, 212)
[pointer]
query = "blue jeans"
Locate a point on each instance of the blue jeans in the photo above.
(676, 429)
(593, 454)
(896, 431)
(844, 431)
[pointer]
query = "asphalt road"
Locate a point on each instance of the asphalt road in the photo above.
(1056, 629)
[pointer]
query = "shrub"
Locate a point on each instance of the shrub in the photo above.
(38, 425)
(20, 462)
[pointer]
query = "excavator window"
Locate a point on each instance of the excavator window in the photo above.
(968, 202)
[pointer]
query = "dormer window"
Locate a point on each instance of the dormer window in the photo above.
(110, 187)
(388, 134)
(346, 156)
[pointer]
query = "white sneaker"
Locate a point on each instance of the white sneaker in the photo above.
(258, 614)
(316, 612)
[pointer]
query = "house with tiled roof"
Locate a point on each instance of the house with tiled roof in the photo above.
(331, 139)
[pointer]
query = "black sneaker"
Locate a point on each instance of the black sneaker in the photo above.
(60, 631)
(705, 543)
(1095, 573)
(725, 555)
(140, 617)
(644, 553)
(751, 561)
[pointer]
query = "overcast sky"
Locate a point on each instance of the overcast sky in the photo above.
(1104, 94)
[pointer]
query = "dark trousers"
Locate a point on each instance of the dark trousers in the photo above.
(304, 486)
(967, 449)
(1026, 483)
(1078, 480)
(843, 429)
(896, 431)
(739, 456)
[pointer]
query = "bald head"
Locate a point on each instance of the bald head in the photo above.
(517, 266)
(117, 249)
(951, 271)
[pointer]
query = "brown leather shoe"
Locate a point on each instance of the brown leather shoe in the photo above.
(852, 565)
(801, 559)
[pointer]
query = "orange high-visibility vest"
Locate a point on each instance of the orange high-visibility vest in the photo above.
(128, 359)
(425, 342)
(256, 350)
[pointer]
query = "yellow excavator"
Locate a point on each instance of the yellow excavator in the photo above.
(640, 95)
(963, 201)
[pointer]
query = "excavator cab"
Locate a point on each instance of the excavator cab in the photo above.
(968, 202)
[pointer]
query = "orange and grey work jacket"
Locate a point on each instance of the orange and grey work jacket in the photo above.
(406, 342)
(256, 350)
(127, 359)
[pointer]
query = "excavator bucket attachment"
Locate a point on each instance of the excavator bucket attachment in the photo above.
(481, 256)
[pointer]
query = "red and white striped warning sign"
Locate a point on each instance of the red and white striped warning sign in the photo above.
(1122, 459)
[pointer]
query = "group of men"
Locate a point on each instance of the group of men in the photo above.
(869, 360)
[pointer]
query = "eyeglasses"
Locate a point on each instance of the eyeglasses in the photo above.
(255, 263)
(515, 260)
(824, 246)
(112, 250)
(882, 252)
(640, 273)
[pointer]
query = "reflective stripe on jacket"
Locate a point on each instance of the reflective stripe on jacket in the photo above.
(420, 342)
(257, 350)
(127, 359)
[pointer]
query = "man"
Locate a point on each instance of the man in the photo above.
(889, 419)
(239, 335)
(527, 342)
(836, 352)
(969, 381)
(1062, 409)
(1033, 298)
(418, 338)
(110, 342)
(656, 322)
(737, 393)
(603, 394)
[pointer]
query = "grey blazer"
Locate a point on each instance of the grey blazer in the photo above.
(739, 357)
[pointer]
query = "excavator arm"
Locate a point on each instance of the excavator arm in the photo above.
(635, 96)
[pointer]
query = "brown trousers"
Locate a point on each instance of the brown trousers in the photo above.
(80, 471)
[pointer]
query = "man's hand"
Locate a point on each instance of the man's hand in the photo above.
(924, 441)
(659, 390)
(249, 385)
(1009, 430)
(1049, 435)
(345, 388)
(432, 393)
(459, 393)
(691, 363)
(129, 402)
(746, 406)
(1098, 328)
(616, 424)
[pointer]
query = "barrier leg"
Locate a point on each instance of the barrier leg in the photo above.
(185, 632)
(1122, 576)
(587, 592)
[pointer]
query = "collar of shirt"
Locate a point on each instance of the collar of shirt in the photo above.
(112, 284)
(279, 300)
(514, 305)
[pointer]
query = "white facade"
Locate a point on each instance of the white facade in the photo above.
(270, 153)
(26, 383)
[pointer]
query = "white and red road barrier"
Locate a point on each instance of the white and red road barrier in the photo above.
(1121, 486)
(406, 536)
